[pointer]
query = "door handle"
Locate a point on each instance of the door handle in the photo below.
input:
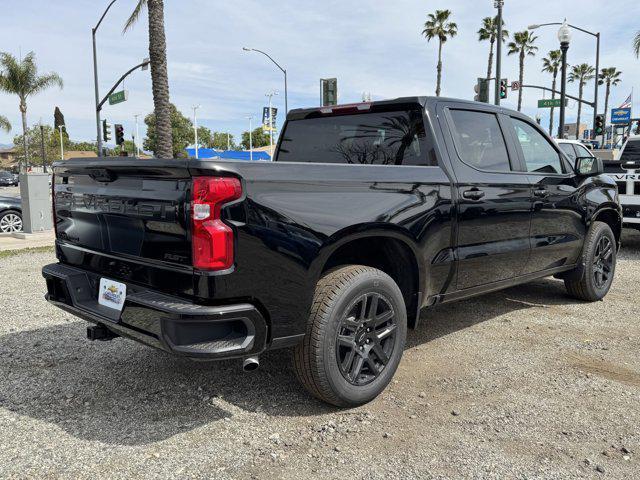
(541, 193)
(473, 194)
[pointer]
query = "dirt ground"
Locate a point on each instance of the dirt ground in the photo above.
(523, 383)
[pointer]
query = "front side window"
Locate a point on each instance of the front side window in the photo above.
(384, 138)
(539, 154)
(479, 140)
(582, 151)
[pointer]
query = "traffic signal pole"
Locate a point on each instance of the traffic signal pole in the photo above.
(499, 4)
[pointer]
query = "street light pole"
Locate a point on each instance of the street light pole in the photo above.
(598, 36)
(95, 76)
(564, 35)
(195, 126)
(283, 70)
(499, 4)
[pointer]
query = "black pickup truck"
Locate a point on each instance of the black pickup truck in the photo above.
(368, 214)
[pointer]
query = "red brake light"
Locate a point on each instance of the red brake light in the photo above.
(212, 239)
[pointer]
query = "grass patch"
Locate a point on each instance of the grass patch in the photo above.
(13, 253)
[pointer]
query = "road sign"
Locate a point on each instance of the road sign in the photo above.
(118, 97)
(621, 116)
(515, 86)
(551, 103)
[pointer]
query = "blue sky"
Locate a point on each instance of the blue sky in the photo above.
(372, 46)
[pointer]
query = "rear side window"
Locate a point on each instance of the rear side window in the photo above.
(385, 138)
(479, 140)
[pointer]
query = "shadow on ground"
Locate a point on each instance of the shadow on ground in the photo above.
(126, 394)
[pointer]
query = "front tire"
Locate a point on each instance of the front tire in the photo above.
(355, 336)
(599, 259)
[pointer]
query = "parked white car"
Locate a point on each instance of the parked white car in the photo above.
(574, 149)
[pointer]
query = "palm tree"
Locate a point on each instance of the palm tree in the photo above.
(21, 78)
(438, 26)
(523, 44)
(551, 64)
(636, 44)
(489, 31)
(5, 124)
(582, 74)
(159, 76)
(609, 77)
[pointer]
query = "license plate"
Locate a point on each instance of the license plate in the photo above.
(112, 294)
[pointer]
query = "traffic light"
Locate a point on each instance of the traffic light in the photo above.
(482, 90)
(119, 129)
(106, 131)
(599, 124)
(504, 88)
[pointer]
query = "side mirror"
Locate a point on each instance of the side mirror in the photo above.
(589, 166)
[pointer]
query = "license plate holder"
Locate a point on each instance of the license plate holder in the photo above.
(112, 294)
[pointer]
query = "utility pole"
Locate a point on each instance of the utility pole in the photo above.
(195, 126)
(42, 150)
(137, 142)
(250, 138)
(499, 4)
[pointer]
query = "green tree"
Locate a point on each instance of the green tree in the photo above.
(5, 124)
(582, 74)
(609, 77)
(223, 141)
(83, 146)
(259, 138)
(21, 78)
(489, 31)
(439, 26)
(181, 133)
(204, 137)
(522, 44)
(33, 141)
(551, 64)
(159, 77)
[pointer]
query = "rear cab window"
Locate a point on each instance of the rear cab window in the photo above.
(631, 152)
(395, 137)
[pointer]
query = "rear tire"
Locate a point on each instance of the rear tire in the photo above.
(599, 259)
(355, 336)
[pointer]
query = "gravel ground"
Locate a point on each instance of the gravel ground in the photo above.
(524, 383)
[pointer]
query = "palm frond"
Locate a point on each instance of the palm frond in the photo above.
(5, 124)
(45, 81)
(133, 19)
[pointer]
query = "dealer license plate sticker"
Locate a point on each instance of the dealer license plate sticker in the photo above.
(112, 294)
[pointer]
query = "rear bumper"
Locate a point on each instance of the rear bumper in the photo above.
(161, 321)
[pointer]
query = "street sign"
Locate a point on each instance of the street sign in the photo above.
(621, 116)
(551, 103)
(118, 97)
(515, 86)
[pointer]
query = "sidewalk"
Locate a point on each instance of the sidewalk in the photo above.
(20, 241)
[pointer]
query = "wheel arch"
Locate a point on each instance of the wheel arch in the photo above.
(389, 250)
(612, 217)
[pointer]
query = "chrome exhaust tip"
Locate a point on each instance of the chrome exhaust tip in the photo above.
(250, 364)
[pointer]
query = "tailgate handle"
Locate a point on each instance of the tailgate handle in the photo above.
(103, 175)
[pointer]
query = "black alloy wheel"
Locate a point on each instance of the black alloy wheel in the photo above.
(366, 338)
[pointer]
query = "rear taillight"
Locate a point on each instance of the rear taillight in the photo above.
(212, 239)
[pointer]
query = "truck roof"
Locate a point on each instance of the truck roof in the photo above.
(300, 113)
